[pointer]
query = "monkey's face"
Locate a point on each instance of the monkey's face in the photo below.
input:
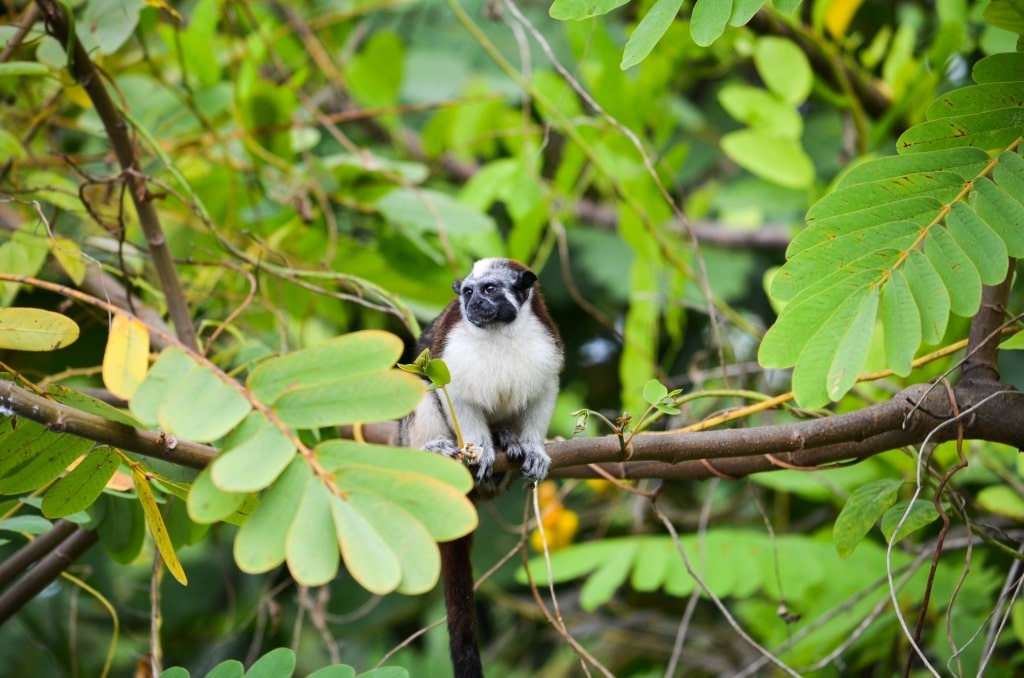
(493, 294)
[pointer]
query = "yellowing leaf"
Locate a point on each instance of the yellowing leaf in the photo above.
(838, 16)
(126, 358)
(33, 329)
(70, 258)
(156, 526)
(159, 4)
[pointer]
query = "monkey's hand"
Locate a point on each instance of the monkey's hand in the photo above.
(484, 459)
(534, 457)
(443, 446)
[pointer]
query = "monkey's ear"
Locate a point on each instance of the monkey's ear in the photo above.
(457, 287)
(525, 280)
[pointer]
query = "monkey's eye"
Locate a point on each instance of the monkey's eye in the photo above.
(490, 288)
(467, 292)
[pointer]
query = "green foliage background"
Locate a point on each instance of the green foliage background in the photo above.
(327, 168)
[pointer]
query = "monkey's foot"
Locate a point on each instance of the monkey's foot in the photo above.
(533, 456)
(483, 458)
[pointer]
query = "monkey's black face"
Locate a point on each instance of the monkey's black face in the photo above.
(495, 296)
(487, 303)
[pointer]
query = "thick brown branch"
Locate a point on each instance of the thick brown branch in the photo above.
(85, 73)
(48, 569)
(980, 361)
(63, 419)
(907, 419)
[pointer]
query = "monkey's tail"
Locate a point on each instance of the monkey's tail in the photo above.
(457, 571)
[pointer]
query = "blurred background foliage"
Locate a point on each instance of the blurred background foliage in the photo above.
(331, 165)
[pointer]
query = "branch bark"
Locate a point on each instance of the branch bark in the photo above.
(60, 418)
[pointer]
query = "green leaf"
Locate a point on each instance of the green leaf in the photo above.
(26, 524)
(649, 31)
(444, 510)
(966, 163)
(82, 485)
(1006, 14)
(340, 358)
(650, 566)
(261, 541)
(785, 6)
(981, 243)
(901, 323)
(930, 295)
(1003, 213)
(989, 131)
(1002, 500)
(1014, 343)
(1009, 173)
(956, 270)
(976, 99)
(163, 375)
(386, 672)
(410, 541)
(1005, 67)
(85, 403)
(708, 21)
(776, 159)
(278, 663)
(122, 529)
(252, 457)
(862, 510)
(438, 373)
(50, 455)
(607, 578)
(310, 548)
(33, 329)
(786, 340)
(916, 198)
(425, 211)
(761, 109)
(812, 270)
(654, 391)
(333, 455)
(851, 352)
(784, 68)
(16, 68)
(200, 406)
(823, 371)
(105, 25)
(743, 11)
(335, 671)
(577, 10)
(229, 668)
(366, 397)
(209, 504)
(266, 114)
(368, 557)
(374, 74)
(922, 513)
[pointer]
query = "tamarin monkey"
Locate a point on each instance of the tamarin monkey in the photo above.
(504, 355)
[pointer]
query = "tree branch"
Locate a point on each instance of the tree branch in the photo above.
(982, 355)
(48, 569)
(60, 418)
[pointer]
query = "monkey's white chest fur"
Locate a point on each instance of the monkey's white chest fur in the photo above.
(502, 370)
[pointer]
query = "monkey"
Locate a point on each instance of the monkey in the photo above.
(505, 355)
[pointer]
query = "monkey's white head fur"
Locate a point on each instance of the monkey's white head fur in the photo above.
(495, 291)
